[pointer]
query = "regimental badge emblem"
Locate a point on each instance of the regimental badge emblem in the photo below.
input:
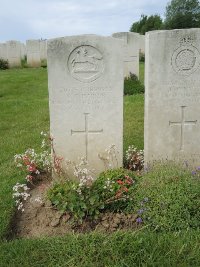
(186, 58)
(86, 63)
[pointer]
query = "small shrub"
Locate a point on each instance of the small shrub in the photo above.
(24, 62)
(168, 198)
(142, 57)
(134, 159)
(4, 64)
(132, 85)
(111, 190)
(115, 187)
(34, 163)
(44, 63)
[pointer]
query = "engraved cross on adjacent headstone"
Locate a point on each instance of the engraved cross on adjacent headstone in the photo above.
(86, 131)
(182, 123)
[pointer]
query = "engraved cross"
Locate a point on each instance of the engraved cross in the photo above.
(86, 132)
(182, 123)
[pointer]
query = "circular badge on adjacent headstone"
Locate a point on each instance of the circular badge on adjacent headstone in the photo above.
(185, 59)
(85, 63)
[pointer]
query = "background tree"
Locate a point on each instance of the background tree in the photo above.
(145, 24)
(182, 14)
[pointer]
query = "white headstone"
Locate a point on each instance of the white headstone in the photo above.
(14, 53)
(85, 79)
(33, 53)
(172, 95)
(3, 48)
(2, 52)
(43, 49)
(131, 52)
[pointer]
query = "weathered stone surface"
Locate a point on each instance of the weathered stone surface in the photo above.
(172, 95)
(131, 52)
(33, 53)
(85, 77)
(14, 53)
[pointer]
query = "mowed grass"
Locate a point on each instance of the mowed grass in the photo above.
(121, 249)
(23, 115)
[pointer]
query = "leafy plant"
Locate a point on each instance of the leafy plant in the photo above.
(115, 187)
(142, 57)
(4, 64)
(132, 85)
(110, 190)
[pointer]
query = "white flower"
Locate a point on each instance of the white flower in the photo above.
(37, 172)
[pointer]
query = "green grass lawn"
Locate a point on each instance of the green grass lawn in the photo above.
(23, 115)
(141, 78)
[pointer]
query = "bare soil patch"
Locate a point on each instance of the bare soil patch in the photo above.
(40, 218)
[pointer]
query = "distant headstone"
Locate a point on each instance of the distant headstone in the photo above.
(14, 53)
(33, 53)
(85, 77)
(172, 95)
(131, 52)
(43, 49)
(142, 44)
(4, 53)
(23, 51)
(1, 53)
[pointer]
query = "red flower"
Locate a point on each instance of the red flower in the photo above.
(120, 182)
(125, 189)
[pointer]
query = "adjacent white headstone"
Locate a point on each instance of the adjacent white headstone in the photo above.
(3, 53)
(14, 53)
(33, 53)
(131, 52)
(85, 79)
(172, 95)
(43, 49)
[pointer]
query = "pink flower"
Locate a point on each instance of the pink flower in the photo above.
(32, 168)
